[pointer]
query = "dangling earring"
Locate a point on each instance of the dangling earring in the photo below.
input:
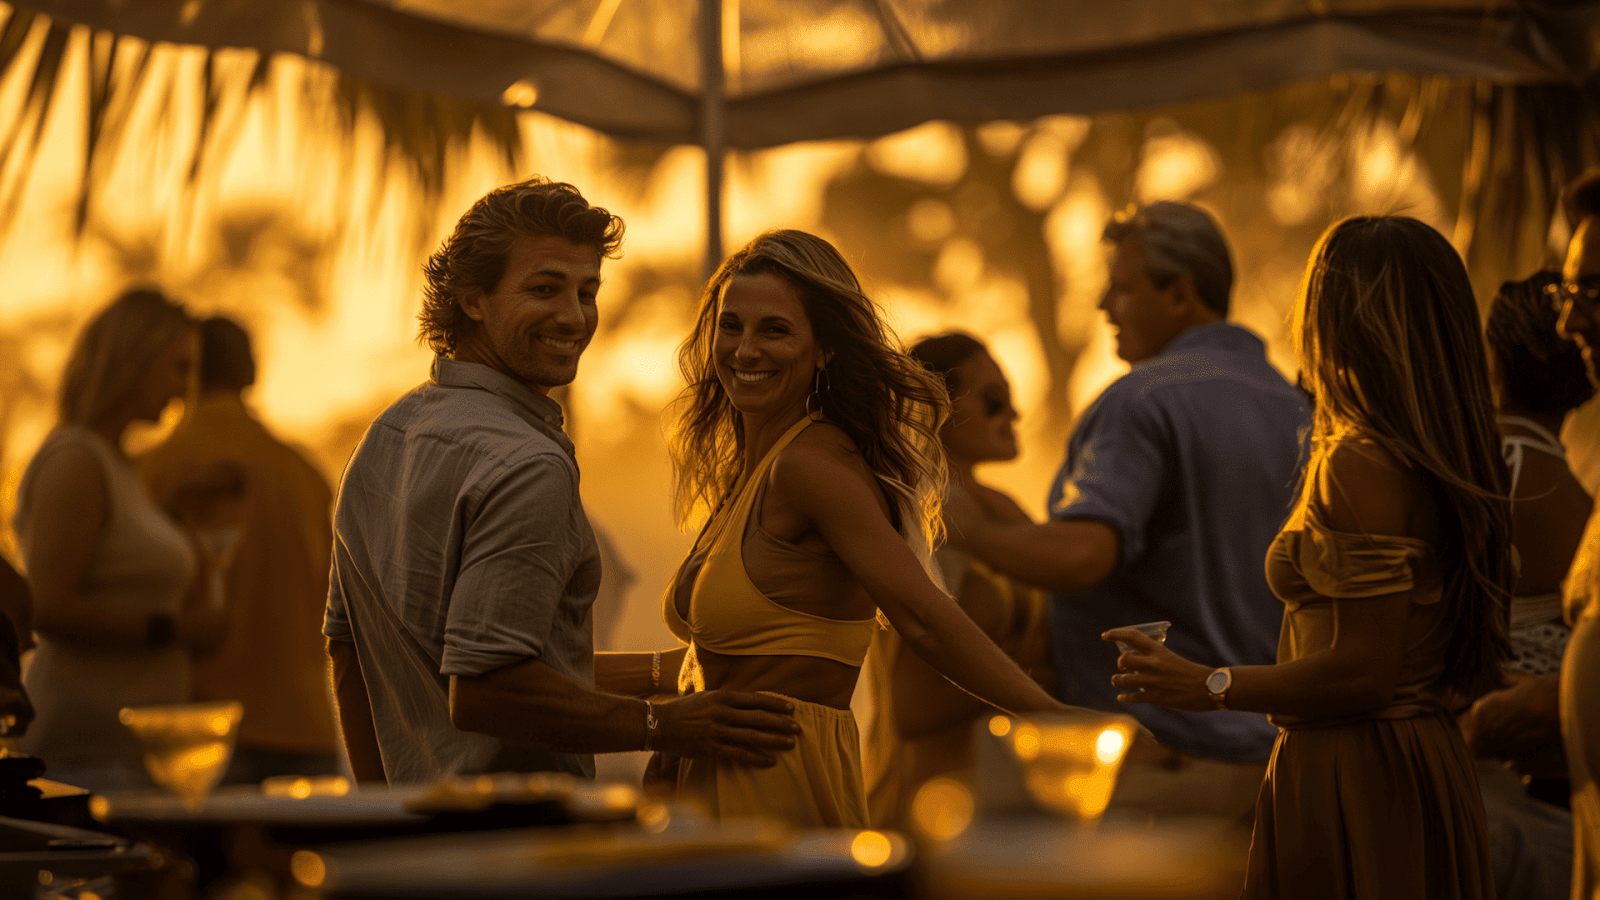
(820, 385)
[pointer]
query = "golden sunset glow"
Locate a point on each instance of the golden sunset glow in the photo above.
(301, 168)
(300, 238)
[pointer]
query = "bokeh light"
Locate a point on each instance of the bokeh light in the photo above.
(871, 849)
(942, 808)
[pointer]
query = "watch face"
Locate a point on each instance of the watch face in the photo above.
(1217, 681)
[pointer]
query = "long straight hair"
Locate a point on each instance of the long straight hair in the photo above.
(1390, 344)
(888, 404)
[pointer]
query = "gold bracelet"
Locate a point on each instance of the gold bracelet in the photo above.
(655, 671)
(651, 725)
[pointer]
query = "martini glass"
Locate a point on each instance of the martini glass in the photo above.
(1068, 763)
(186, 746)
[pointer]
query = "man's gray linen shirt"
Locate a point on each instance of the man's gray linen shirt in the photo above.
(461, 547)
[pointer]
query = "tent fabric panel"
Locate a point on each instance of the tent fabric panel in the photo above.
(377, 44)
(891, 99)
(381, 44)
(659, 36)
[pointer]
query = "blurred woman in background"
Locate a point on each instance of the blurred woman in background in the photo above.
(1394, 569)
(119, 588)
(924, 721)
(1538, 378)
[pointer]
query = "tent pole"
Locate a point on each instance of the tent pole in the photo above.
(712, 136)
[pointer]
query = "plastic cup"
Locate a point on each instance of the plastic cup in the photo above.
(1155, 631)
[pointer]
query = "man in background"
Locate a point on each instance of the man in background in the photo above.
(1176, 481)
(273, 569)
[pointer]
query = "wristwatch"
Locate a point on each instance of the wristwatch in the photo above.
(1217, 684)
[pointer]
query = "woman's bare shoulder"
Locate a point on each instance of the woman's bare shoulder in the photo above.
(66, 493)
(66, 466)
(1363, 488)
(822, 443)
(820, 457)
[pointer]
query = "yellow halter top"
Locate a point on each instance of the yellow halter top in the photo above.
(728, 614)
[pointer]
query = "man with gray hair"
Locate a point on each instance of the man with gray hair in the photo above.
(1176, 480)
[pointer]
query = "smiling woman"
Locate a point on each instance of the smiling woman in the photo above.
(767, 358)
(814, 440)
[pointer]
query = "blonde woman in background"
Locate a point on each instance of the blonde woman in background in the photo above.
(925, 722)
(120, 593)
(1394, 570)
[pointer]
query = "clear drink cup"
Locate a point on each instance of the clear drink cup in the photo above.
(1155, 631)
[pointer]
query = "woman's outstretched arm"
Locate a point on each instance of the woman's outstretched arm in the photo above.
(832, 488)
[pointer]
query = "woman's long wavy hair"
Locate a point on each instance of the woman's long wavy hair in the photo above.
(1390, 344)
(888, 404)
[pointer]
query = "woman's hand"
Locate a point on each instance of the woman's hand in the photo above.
(1166, 679)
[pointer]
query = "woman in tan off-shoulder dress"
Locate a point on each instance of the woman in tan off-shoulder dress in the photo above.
(1394, 570)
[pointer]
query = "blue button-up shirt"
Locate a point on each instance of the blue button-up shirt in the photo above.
(1194, 458)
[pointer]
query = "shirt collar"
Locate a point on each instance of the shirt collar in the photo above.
(1217, 335)
(537, 409)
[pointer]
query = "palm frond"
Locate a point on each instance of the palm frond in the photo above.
(135, 91)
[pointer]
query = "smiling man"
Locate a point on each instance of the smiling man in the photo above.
(464, 569)
(1176, 480)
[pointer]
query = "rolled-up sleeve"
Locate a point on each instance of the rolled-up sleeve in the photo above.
(1118, 463)
(517, 554)
(336, 616)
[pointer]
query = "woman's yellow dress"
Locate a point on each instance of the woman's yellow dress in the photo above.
(1384, 804)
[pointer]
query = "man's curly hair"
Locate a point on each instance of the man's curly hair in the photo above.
(473, 259)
